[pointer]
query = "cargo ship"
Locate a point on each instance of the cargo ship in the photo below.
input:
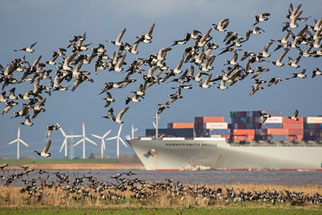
(223, 146)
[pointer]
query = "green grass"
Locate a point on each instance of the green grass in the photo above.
(107, 211)
(54, 161)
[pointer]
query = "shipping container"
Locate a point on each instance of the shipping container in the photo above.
(287, 120)
(216, 125)
(219, 131)
(176, 125)
(278, 137)
(275, 119)
(272, 125)
(316, 120)
(227, 137)
(205, 119)
(250, 132)
(295, 131)
(277, 131)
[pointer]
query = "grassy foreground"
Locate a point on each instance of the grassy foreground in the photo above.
(106, 211)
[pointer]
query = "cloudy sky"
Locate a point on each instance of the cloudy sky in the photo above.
(52, 24)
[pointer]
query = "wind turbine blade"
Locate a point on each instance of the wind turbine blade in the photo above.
(112, 138)
(72, 136)
(83, 129)
(107, 133)
(154, 124)
(120, 129)
(18, 135)
(123, 142)
(13, 141)
(64, 143)
(81, 140)
(23, 142)
(98, 137)
(62, 132)
(91, 141)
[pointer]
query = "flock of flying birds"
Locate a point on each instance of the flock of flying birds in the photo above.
(199, 54)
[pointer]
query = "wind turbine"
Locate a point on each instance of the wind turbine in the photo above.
(103, 141)
(118, 138)
(18, 140)
(65, 140)
(84, 140)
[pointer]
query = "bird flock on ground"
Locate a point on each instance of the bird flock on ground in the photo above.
(127, 185)
(195, 68)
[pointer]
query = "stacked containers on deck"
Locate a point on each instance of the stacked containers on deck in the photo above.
(218, 128)
(245, 125)
(312, 128)
(201, 124)
(295, 128)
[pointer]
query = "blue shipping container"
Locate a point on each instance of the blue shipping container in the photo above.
(272, 125)
(219, 131)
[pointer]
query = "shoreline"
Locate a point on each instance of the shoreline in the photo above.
(79, 166)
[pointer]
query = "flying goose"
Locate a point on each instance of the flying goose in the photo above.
(118, 42)
(278, 62)
(28, 48)
(265, 116)
(222, 25)
(50, 129)
(44, 152)
(117, 119)
(298, 75)
(274, 80)
(27, 121)
(294, 63)
(262, 17)
(108, 99)
(147, 37)
(294, 116)
(316, 72)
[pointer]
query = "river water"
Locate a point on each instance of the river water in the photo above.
(207, 177)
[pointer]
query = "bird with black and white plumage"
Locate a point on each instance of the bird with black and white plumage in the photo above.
(262, 17)
(51, 128)
(316, 72)
(274, 80)
(118, 42)
(278, 61)
(222, 25)
(27, 49)
(294, 63)
(118, 118)
(109, 99)
(298, 75)
(295, 115)
(257, 30)
(44, 152)
(147, 37)
(265, 116)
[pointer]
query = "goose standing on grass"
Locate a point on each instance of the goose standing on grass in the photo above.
(44, 153)
(27, 49)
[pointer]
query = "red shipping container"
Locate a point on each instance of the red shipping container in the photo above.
(249, 132)
(287, 121)
(176, 125)
(204, 119)
(295, 131)
(277, 131)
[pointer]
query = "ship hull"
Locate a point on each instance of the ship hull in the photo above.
(215, 153)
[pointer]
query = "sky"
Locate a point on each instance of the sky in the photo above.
(52, 24)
